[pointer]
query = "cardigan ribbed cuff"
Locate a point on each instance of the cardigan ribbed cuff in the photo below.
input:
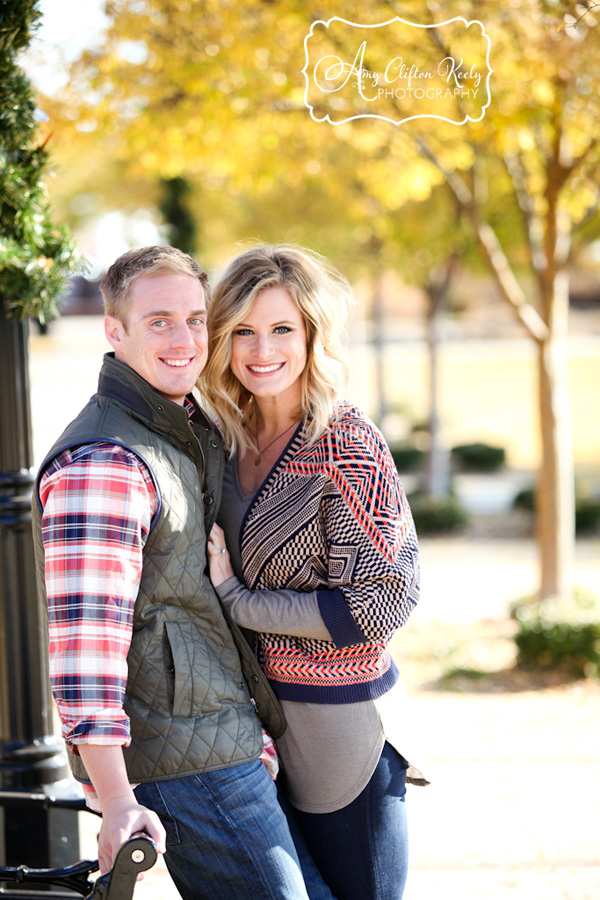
(338, 619)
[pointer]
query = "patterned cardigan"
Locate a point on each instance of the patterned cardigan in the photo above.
(332, 517)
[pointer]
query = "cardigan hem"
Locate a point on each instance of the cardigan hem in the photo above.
(343, 693)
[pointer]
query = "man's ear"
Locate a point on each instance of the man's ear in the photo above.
(113, 330)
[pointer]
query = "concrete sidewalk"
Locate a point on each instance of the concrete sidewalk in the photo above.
(513, 805)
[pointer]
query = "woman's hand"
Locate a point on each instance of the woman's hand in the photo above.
(218, 557)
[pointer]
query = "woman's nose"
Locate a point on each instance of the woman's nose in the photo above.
(263, 346)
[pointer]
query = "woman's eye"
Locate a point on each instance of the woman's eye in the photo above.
(282, 329)
(242, 331)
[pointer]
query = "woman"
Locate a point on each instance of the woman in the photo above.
(323, 561)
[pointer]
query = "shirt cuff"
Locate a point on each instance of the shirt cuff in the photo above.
(338, 619)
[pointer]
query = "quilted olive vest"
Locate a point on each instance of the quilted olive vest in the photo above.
(188, 704)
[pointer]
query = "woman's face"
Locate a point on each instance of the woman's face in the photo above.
(268, 352)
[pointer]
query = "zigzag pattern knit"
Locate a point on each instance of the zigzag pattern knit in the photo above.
(333, 517)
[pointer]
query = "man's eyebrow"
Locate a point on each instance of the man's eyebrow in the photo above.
(167, 313)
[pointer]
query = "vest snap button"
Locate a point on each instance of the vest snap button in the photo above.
(159, 408)
(254, 679)
(214, 444)
(209, 500)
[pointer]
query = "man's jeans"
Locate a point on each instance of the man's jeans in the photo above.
(227, 836)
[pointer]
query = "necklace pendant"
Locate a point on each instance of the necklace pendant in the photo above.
(257, 460)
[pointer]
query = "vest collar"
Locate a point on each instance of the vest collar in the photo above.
(122, 384)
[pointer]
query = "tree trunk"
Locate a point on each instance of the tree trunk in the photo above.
(379, 352)
(555, 493)
(437, 473)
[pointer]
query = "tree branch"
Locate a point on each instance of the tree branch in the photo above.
(516, 171)
(509, 286)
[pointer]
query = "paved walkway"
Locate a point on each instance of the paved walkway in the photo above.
(513, 808)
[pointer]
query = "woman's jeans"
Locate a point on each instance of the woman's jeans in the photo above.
(227, 836)
(361, 850)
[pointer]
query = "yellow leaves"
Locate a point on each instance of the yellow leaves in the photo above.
(525, 139)
(220, 99)
(149, 161)
(420, 186)
(239, 104)
(461, 155)
(542, 92)
(174, 166)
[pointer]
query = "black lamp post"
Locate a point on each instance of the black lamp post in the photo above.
(32, 758)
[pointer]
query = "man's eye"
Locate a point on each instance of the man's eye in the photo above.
(196, 322)
(158, 323)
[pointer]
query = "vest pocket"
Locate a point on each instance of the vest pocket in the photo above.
(202, 674)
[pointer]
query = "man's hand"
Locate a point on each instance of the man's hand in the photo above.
(122, 815)
(218, 557)
(121, 819)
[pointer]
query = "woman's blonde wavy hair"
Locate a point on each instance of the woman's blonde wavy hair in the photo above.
(324, 299)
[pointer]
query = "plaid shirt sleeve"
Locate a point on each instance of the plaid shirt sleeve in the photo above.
(98, 502)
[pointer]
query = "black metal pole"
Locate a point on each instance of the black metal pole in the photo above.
(31, 755)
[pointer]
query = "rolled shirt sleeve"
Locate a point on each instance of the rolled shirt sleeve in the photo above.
(98, 503)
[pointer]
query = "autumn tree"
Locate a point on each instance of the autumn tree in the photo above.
(214, 92)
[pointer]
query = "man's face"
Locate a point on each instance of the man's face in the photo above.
(164, 338)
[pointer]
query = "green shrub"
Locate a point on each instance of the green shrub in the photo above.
(433, 515)
(560, 634)
(479, 457)
(525, 499)
(407, 458)
(587, 510)
(587, 514)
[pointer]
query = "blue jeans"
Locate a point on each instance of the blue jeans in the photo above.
(227, 836)
(361, 850)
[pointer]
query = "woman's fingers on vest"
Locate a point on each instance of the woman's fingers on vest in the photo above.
(216, 541)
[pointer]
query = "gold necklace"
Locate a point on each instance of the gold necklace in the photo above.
(258, 457)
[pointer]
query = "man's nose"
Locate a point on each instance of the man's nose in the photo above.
(182, 336)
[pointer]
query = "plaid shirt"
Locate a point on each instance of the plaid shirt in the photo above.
(98, 501)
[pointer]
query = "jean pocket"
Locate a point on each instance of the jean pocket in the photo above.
(151, 796)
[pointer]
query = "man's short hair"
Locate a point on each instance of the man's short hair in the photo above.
(144, 262)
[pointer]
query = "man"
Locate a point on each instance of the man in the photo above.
(155, 711)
